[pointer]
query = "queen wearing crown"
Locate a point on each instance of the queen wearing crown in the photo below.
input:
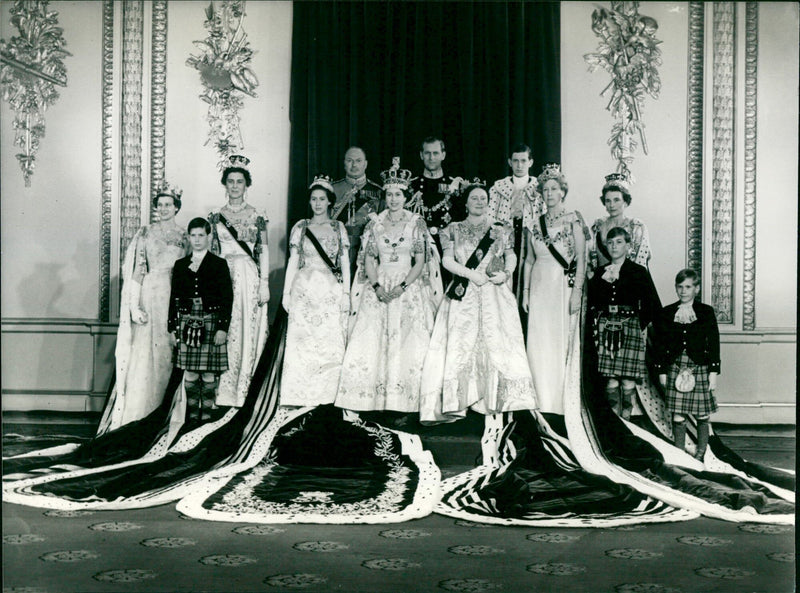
(553, 277)
(316, 295)
(394, 300)
(239, 234)
(476, 358)
(143, 351)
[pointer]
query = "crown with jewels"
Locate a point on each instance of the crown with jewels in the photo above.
(395, 176)
(619, 180)
(474, 182)
(238, 160)
(323, 181)
(549, 171)
(165, 189)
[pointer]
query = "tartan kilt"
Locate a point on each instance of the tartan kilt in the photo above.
(628, 361)
(698, 402)
(207, 356)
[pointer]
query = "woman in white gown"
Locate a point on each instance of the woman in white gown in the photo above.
(317, 296)
(553, 276)
(240, 236)
(143, 351)
(395, 297)
(476, 358)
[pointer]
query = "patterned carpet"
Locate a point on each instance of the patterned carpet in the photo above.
(158, 550)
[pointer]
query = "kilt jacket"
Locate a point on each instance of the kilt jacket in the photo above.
(211, 282)
(700, 338)
(633, 289)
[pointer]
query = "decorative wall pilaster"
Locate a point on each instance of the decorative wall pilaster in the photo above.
(158, 95)
(722, 145)
(131, 157)
(106, 189)
(694, 138)
(750, 130)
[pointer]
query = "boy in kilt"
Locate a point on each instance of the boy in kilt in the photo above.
(200, 304)
(622, 301)
(686, 353)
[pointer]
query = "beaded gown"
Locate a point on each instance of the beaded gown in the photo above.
(382, 367)
(249, 325)
(143, 351)
(476, 357)
(318, 303)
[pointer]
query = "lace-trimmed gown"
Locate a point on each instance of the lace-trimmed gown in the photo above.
(476, 358)
(318, 305)
(553, 333)
(382, 366)
(249, 326)
(143, 351)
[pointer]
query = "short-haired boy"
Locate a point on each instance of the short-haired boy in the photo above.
(686, 352)
(200, 306)
(622, 302)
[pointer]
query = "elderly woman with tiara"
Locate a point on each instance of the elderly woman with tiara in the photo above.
(316, 295)
(239, 234)
(394, 300)
(553, 276)
(143, 351)
(476, 359)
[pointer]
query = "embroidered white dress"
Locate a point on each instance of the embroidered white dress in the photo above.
(249, 325)
(553, 333)
(143, 351)
(476, 358)
(382, 367)
(319, 305)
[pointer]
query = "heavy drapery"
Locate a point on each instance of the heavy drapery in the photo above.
(384, 75)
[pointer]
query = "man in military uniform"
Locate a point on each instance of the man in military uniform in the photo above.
(513, 198)
(435, 195)
(356, 198)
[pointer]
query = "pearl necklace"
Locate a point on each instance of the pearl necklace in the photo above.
(235, 209)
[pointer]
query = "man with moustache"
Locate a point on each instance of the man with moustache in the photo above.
(356, 198)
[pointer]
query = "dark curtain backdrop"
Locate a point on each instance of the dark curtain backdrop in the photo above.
(384, 75)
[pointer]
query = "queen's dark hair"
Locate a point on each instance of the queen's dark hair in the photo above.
(406, 192)
(330, 195)
(176, 201)
(688, 274)
(470, 188)
(248, 181)
(618, 231)
(199, 223)
(626, 195)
